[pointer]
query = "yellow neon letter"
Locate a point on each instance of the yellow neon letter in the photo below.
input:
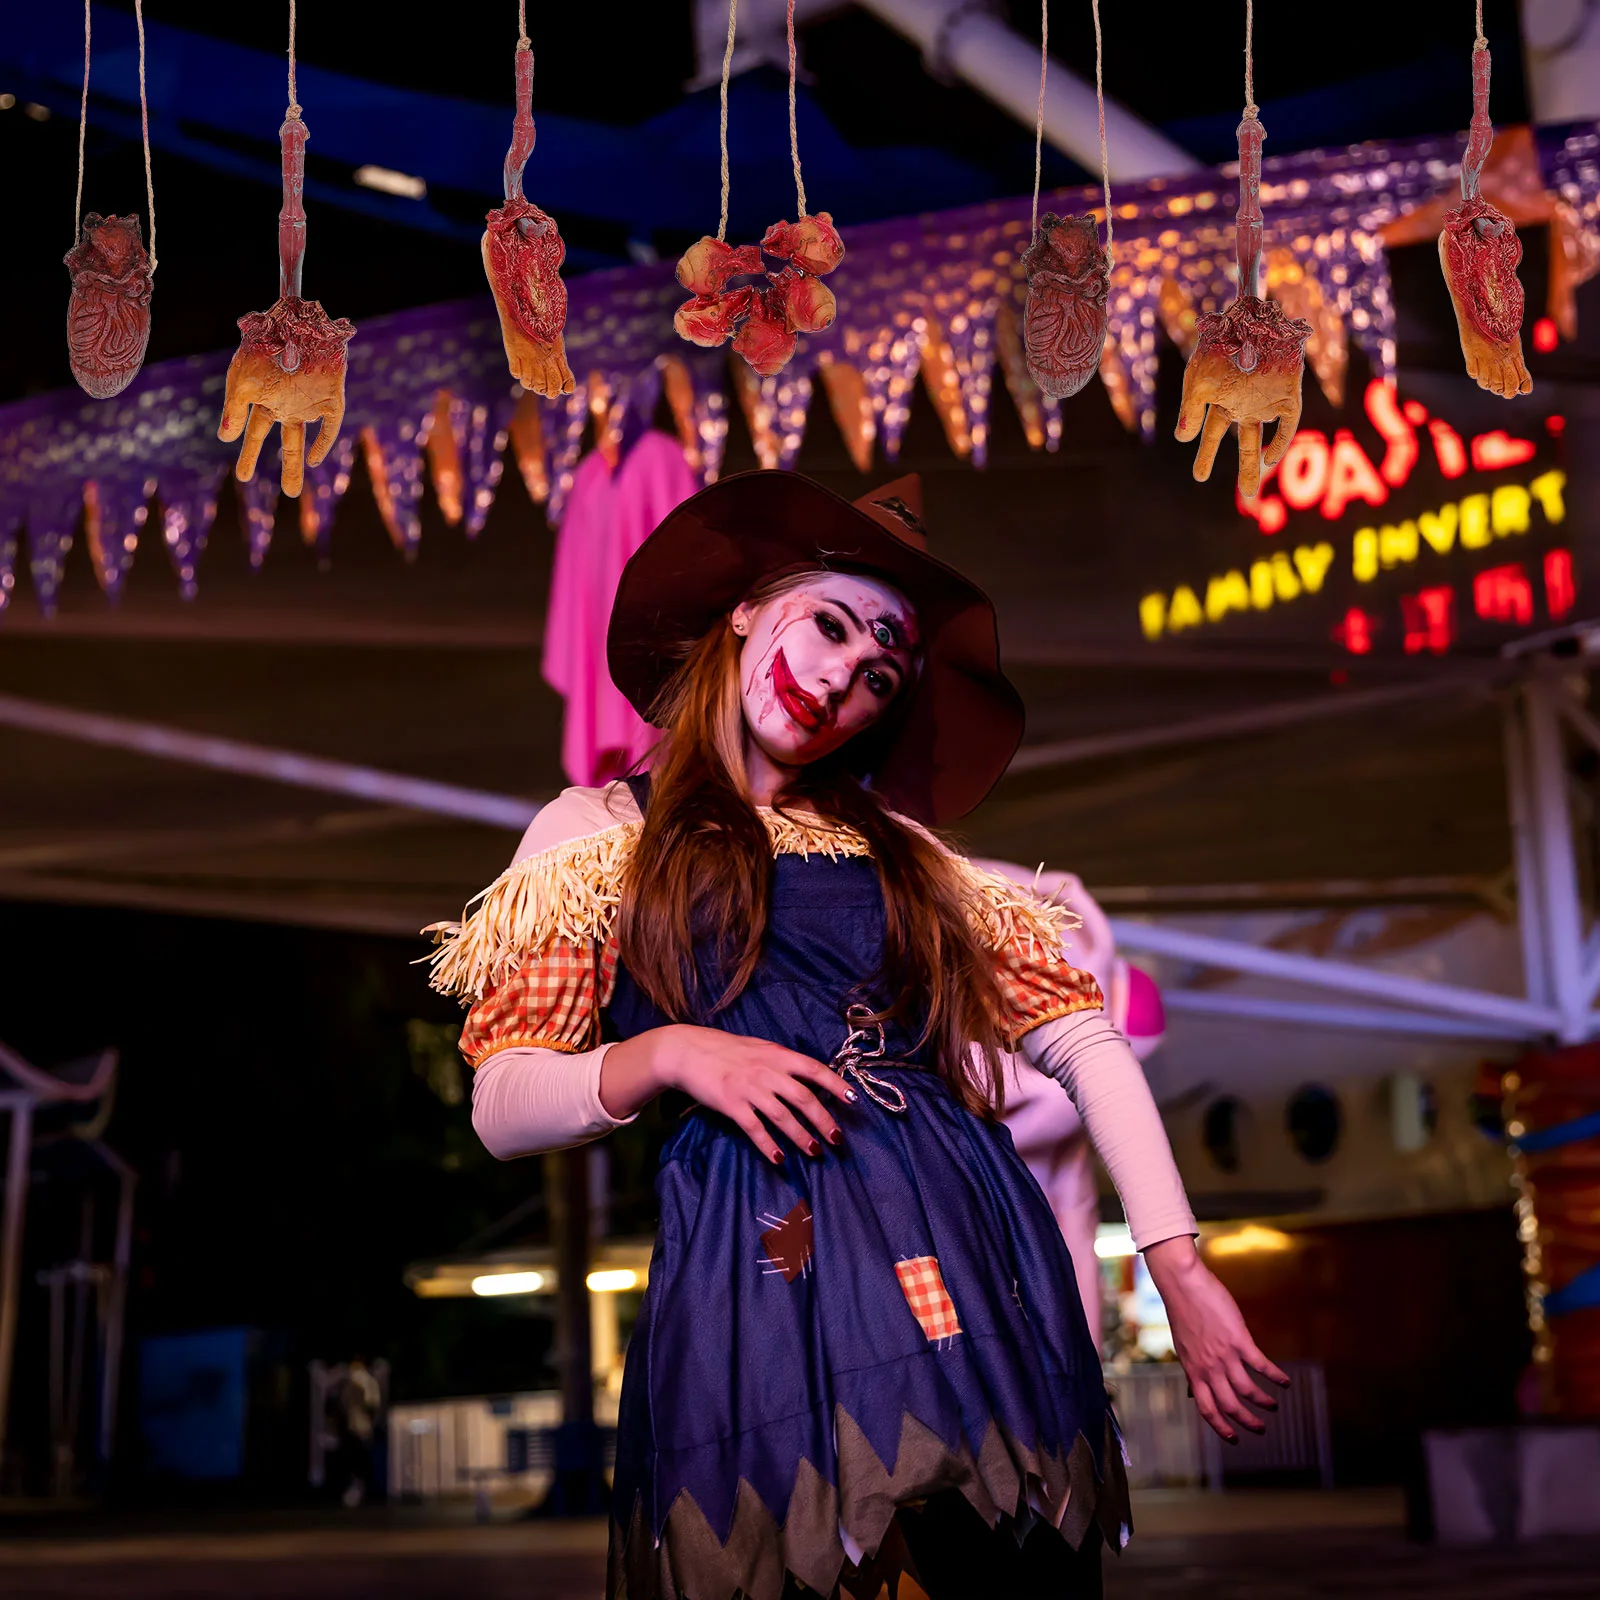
(1228, 593)
(1439, 528)
(1546, 489)
(1312, 561)
(1475, 522)
(1184, 612)
(1153, 615)
(1364, 555)
(1508, 509)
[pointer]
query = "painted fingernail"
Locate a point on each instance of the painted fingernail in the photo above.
(1232, 1438)
(851, 1096)
(814, 1148)
(836, 1137)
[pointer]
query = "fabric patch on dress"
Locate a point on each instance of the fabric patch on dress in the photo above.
(930, 1302)
(788, 1243)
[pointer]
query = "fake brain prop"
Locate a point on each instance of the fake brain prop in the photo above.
(522, 255)
(1479, 251)
(290, 364)
(764, 320)
(1064, 319)
(1248, 361)
(108, 316)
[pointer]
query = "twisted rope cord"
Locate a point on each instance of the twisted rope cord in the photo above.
(144, 128)
(1100, 104)
(294, 103)
(83, 128)
(722, 124)
(523, 41)
(1250, 106)
(1038, 121)
(794, 135)
(1481, 42)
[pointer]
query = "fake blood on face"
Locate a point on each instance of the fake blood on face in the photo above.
(803, 709)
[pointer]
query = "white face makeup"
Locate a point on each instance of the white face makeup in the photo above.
(821, 662)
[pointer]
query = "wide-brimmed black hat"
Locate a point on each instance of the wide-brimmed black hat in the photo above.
(949, 744)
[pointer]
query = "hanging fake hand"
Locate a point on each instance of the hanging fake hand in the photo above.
(1211, 1340)
(1479, 251)
(522, 255)
(289, 369)
(1246, 369)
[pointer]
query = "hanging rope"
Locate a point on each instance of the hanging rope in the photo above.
(144, 127)
(1250, 106)
(722, 125)
(1100, 103)
(294, 102)
(83, 128)
(1038, 121)
(794, 136)
(523, 41)
(1481, 42)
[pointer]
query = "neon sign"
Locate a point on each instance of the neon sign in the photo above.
(1333, 474)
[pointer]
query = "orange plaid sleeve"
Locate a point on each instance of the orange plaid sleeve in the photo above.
(552, 1001)
(1037, 985)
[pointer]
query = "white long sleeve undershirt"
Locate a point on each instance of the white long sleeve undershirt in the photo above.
(525, 1102)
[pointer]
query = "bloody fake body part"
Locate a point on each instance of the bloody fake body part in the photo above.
(108, 316)
(1479, 251)
(290, 364)
(522, 255)
(1248, 360)
(764, 319)
(1064, 320)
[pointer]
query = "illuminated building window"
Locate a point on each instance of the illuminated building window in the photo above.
(1503, 594)
(1429, 618)
(1315, 1122)
(1560, 585)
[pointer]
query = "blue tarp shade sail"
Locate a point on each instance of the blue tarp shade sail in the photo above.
(193, 1390)
(660, 175)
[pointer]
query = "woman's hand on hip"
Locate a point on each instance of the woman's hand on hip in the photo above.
(1211, 1339)
(750, 1081)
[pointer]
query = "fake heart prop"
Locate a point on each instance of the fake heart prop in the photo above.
(763, 320)
(522, 255)
(1064, 319)
(1479, 251)
(108, 316)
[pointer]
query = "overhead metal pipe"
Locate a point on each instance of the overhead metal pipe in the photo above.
(969, 42)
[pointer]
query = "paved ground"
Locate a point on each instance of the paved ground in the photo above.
(1191, 1547)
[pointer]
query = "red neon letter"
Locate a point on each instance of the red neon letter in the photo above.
(1399, 437)
(1492, 451)
(1560, 586)
(1448, 447)
(1429, 617)
(1503, 594)
(1356, 631)
(1303, 474)
(1351, 476)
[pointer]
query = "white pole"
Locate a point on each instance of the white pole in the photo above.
(1558, 867)
(16, 1199)
(1525, 856)
(1232, 955)
(262, 761)
(1003, 65)
(1364, 1019)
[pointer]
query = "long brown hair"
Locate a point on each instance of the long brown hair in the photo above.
(703, 869)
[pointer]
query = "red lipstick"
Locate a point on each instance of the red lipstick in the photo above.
(803, 709)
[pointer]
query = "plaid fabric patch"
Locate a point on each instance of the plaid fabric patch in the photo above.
(552, 1002)
(930, 1302)
(1037, 985)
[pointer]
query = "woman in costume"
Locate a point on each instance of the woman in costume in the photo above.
(861, 1364)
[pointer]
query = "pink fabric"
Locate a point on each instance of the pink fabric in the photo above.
(608, 516)
(1147, 1017)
